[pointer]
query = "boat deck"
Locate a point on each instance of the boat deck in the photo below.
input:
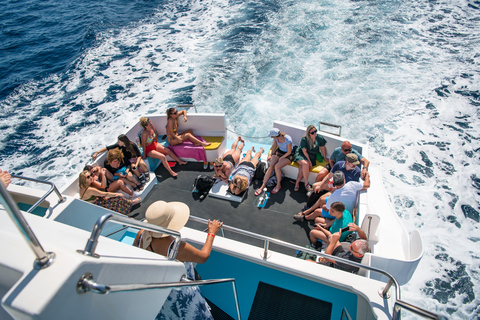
(275, 220)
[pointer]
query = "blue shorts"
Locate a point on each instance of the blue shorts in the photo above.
(327, 214)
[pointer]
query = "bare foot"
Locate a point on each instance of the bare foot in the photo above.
(173, 174)
(206, 144)
(182, 162)
(261, 150)
(136, 201)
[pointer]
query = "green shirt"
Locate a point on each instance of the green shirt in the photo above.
(342, 223)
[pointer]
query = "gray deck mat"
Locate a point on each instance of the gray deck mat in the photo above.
(275, 220)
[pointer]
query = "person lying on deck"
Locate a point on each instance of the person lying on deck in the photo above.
(110, 200)
(279, 158)
(357, 250)
(153, 149)
(245, 171)
(224, 166)
(132, 154)
(310, 146)
(173, 136)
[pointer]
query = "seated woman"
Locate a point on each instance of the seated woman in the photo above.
(173, 136)
(174, 216)
(110, 200)
(100, 180)
(153, 149)
(306, 155)
(245, 171)
(223, 166)
(278, 158)
(132, 154)
(118, 171)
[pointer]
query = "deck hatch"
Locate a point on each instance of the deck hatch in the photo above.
(272, 302)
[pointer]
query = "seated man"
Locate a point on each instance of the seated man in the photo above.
(350, 169)
(357, 250)
(345, 193)
(340, 153)
(343, 218)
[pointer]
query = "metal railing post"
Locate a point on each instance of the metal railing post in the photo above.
(43, 259)
(53, 187)
(92, 242)
(86, 283)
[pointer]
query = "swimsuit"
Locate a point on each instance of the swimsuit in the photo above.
(92, 198)
(152, 146)
(228, 158)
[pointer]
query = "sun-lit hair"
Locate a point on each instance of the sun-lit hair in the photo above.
(169, 112)
(362, 246)
(115, 154)
(241, 182)
(144, 122)
(219, 161)
(310, 140)
(82, 180)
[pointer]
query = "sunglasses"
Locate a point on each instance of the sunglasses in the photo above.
(174, 112)
(347, 150)
(313, 132)
(353, 250)
(88, 176)
(218, 166)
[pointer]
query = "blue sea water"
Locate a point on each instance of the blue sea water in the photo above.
(401, 76)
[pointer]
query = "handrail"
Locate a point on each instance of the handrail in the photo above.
(268, 240)
(330, 125)
(399, 304)
(383, 293)
(187, 106)
(44, 259)
(97, 229)
(86, 283)
(52, 188)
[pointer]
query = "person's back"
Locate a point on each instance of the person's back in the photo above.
(346, 194)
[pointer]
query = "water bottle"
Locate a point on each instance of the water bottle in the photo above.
(262, 200)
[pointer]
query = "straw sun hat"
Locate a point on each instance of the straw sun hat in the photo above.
(169, 215)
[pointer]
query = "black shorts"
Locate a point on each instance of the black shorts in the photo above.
(279, 153)
(248, 164)
(229, 158)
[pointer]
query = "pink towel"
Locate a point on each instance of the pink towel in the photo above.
(189, 150)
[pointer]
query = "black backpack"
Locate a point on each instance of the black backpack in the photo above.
(203, 184)
(260, 171)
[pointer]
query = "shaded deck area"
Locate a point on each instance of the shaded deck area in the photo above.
(275, 220)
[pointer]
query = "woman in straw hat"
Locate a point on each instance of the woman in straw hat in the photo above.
(174, 216)
(185, 302)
